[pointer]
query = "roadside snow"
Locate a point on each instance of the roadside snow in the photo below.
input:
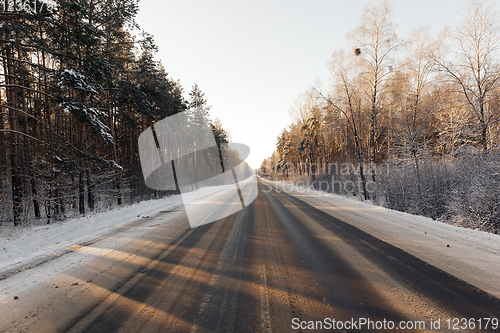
(34, 245)
(471, 255)
(37, 244)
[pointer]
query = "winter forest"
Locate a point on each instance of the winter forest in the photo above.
(78, 85)
(412, 125)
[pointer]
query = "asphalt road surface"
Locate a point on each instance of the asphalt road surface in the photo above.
(279, 265)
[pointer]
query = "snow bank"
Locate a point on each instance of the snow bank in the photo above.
(31, 246)
(37, 244)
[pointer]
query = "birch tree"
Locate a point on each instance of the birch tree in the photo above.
(419, 106)
(375, 41)
(474, 69)
(347, 100)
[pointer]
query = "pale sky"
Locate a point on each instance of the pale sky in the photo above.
(254, 58)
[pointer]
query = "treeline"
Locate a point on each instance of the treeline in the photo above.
(77, 88)
(412, 125)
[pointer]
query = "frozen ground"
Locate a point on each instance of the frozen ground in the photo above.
(471, 255)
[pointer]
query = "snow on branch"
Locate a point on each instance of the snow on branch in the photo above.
(78, 81)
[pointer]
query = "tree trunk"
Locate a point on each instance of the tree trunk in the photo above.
(16, 183)
(361, 161)
(3, 157)
(90, 191)
(372, 138)
(81, 191)
(81, 178)
(29, 153)
(111, 125)
(484, 136)
(29, 161)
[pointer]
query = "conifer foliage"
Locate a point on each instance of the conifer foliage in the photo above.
(77, 88)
